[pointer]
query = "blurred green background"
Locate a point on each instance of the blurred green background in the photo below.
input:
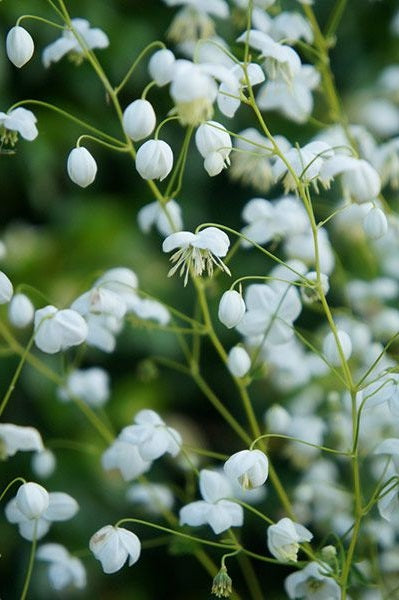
(59, 238)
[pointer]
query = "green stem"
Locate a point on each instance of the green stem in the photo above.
(101, 142)
(4, 492)
(132, 68)
(335, 18)
(31, 562)
(16, 375)
(36, 18)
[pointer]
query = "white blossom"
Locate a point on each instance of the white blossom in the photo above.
(214, 510)
(19, 45)
(284, 537)
(57, 330)
(139, 120)
(214, 144)
(152, 436)
(21, 311)
(125, 457)
(280, 60)
(375, 224)
(81, 166)
(250, 468)
(166, 218)
(64, 569)
(199, 251)
(154, 160)
(154, 497)
(161, 66)
(43, 463)
(19, 120)
(90, 385)
(311, 583)
(69, 44)
(14, 438)
(112, 546)
(359, 178)
(330, 347)
(32, 500)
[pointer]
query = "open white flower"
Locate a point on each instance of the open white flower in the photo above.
(14, 438)
(112, 546)
(199, 251)
(19, 120)
(166, 218)
(280, 60)
(125, 457)
(69, 44)
(284, 537)
(249, 468)
(152, 436)
(214, 510)
(360, 180)
(228, 99)
(64, 569)
(34, 509)
(90, 385)
(57, 330)
(20, 46)
(312, 584)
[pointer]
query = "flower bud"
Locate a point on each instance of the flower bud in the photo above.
(112, 546)
(21, 311)
(248, 468)
(6, 289)
(330, 348)
(139, 120)
(19, 45)
(231, 308)
(277, 419)
(222, 584)
(212, 137)
(161, 66)
(82, 168)
(375, 224)
(238, 361)
(43, 463)
(32, 500)
(154, 160)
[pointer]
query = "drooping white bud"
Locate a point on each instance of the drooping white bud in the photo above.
(32, 500)
(249, 468)
(161, 66)
(139, 120)
(277, 419)
(238, 361)
(6, 289)
(112, 546)
(154, 160)
(213, 137)
(21, 311)
(375, 224)
(330, 348)
(19, 45)
(43, 463)
(231, 308)
(82, 168)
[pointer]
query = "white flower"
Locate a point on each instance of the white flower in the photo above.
(81, 166)
(249, 468)
(291, 98)
(280, 60)
(214, 144)
(123, 282)
(112, 546)
(32, 500)
(214, 510)
(43, 463)
(139, 119)
(57, 330)
(198, 251)
(228, 99)
(161, 66)
(125, 457)
(283, 539)
(306, 162)
(21, 311)
(154, 160)
(6, 288)
(359, 178)
(375, 224)
(310, 294)
(152, 436)
(277, 419)
(68, 43)
(330, 348)
(312, 584)
(291, 27)
(61, 507)
(238, 361)
(231, 308)
(19, 45)
(154, 497)
(90, 385)
(20, 120)
(166, 218)
(192, 23)
(14, 438)
(64, 570)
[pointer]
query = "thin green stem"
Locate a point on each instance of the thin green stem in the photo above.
(4, 492)
(101, 142)
(135, 63)
(31, 563)
(36, 18)
(16, 375)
